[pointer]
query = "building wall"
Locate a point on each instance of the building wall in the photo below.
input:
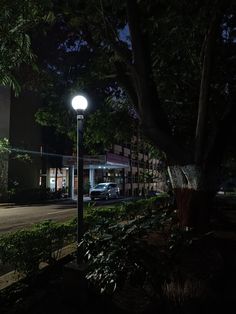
(25, 134)
(5, 99)
(17, 123)
(144, 174)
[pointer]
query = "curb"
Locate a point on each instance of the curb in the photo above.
(7, 204)
(13, 277)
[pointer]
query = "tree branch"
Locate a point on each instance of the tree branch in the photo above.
(126, 82)
(153, 117)
(207, 53)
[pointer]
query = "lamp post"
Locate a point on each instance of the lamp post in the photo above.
(79, 104)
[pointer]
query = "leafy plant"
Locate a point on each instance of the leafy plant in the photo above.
(96, 215)
(146, 206)
(113, 247)
(34, 195)
(16, 21)
(25, 249)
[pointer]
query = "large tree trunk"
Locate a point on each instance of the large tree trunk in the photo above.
(194, 191)
(193, 178)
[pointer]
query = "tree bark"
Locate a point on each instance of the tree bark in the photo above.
(208, 53)
(194, 190)
(154, 120)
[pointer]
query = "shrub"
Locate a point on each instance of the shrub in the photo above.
(25, 249)
(113, 246)
(98, 215)
(144, 256)
(125, 210)
(33, 195)
(146, 206)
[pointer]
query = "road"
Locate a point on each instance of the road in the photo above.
(13, 217)
(17, 217)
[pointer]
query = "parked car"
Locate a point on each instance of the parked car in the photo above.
(105, 190)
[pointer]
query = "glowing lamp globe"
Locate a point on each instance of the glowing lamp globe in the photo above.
(79, 103)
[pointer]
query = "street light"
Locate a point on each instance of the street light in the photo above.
(79, 104)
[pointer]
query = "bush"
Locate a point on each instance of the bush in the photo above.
(140, 257)
(113, 245)
(125, 210)
(32, 195)
(25, 249)
(146, 206)
(28, 196)
(99, 215)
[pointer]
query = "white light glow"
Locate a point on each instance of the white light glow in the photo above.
(79, 103)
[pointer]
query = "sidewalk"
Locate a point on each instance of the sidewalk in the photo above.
(46, 202)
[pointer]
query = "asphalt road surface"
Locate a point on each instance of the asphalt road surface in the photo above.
(13, 217)
(18, 217)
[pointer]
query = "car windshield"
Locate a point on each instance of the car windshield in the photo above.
(101, 186)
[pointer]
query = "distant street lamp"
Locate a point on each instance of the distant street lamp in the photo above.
(79, 104)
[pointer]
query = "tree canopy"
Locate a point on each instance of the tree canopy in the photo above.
(17, 18)
(183, 51)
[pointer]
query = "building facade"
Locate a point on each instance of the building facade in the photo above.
(136, 173)
(17, 124)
